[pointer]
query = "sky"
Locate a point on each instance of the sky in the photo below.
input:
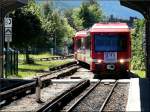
(109, 7)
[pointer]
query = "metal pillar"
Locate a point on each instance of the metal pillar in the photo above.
(148, 48)
(1, 41)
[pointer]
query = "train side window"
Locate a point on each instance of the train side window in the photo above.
(83, 44)
(88, 42)
(78, 43)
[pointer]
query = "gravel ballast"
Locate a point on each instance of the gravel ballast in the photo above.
(94, 100)
(118, 99)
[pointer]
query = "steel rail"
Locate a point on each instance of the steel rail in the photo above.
(72, 69)
(108, 97)
(15, 91)
(82, 97)
(64, 65)
(56, 58)
(59, 102)
(63, 68)
(59, 69)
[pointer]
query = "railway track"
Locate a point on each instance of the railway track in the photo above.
(53, 58)
(60, 68)
(95, 97)
(56, 58)
(9, 95)
(14, 92)
(83, 101)
(58, 73)
(99, 99)
(60, 101)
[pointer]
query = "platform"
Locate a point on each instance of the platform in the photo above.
(139, 95)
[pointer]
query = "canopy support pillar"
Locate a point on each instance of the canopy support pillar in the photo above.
(2, 14)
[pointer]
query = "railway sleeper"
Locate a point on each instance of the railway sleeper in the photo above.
(7, 99)
(68, 73)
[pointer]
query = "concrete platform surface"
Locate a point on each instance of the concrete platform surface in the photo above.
(139, 95)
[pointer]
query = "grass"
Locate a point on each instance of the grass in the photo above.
(37, 56)
(30, 70)
(139, 73)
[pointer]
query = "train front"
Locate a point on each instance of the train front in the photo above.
(110, 47)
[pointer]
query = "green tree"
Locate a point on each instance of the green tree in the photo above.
(85, 16)
(90, 13)
(27, 27)
(138, 59)
(56, 26)
(48, 8)
(74, 19)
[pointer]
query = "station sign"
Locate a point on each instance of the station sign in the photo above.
(8, 22)
(8, 38)
(8, 29)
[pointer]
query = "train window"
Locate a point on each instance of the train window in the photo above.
(110, 43)
(82, 44)
(88, 42)
(78, 43)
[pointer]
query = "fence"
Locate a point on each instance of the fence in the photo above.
(11, 62)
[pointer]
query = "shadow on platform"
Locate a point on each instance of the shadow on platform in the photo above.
(144, 85)
(123, 75)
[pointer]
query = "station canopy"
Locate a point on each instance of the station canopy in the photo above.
(8, 5)
(140, 5)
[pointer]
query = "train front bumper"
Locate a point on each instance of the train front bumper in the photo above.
(109, 67)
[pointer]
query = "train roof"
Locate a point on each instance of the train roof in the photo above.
(81, 34)
(110, 27)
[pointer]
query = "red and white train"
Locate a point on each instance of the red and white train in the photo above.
(106, 47)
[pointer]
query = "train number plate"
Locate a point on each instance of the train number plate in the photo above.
(110, 57)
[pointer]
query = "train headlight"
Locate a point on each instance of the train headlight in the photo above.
(99, 61)
(121, 61)
(78, 51)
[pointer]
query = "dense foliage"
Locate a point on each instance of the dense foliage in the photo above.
(138, 59)
(37, 25)
(90, 13)
(27, 26)
(85, 16)
(56, 26)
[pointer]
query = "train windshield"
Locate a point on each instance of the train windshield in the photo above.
(110, 43)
